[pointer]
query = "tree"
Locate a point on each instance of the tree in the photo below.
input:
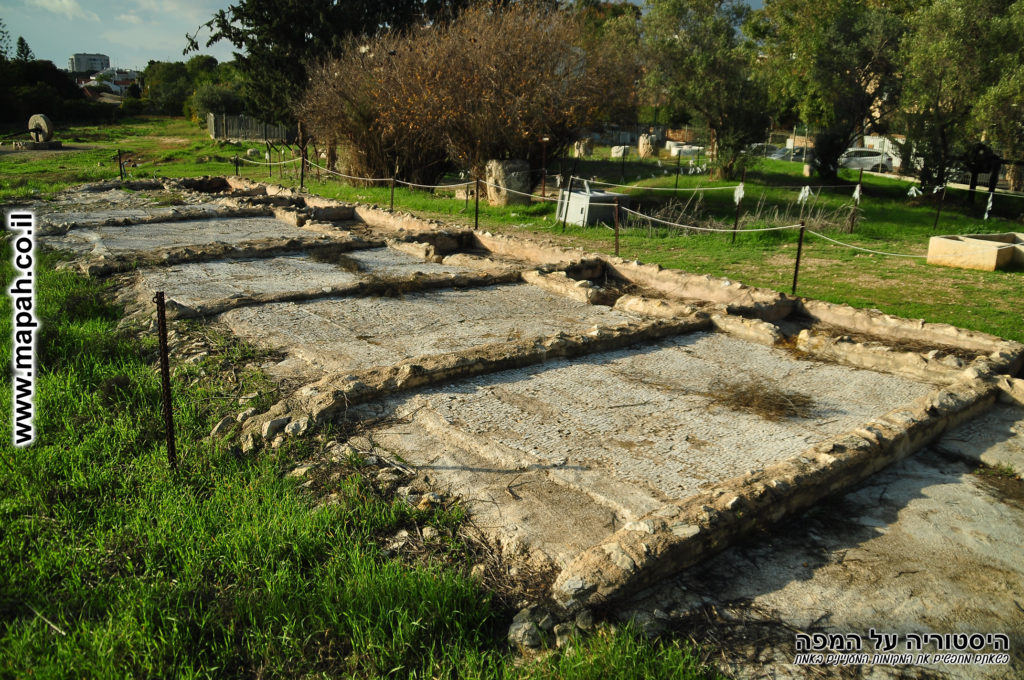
(835, 62)
(489, 85)
(5, 42)
(23, 52)
(279, 39)
(167, 85)
(949, 60)
(700, 63)
(998, 113)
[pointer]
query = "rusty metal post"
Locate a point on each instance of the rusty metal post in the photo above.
(476, 209)
(616, 227)
(165, 378)
(938, 210)
(799, 251)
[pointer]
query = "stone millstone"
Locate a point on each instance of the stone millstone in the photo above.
(40, 127)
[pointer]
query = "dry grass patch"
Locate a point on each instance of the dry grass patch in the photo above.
(761, 396)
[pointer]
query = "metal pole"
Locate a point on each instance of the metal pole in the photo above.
(568, 197)
(679, 159)
(165, 379)
(938, 210)
(476, 209)
(544, 166)
(120, 166)
(236, 166)
(799, 251)
(625, 152)
(302, 169)
(393, 175)
(270, 168)
(616, 227)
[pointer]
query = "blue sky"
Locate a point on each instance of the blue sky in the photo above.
(130, 32)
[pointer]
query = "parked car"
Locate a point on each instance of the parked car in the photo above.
(761, 149)
(866, 159)
(798, 154)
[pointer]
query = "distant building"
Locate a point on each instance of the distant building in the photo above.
(118, 80)
(79, 63)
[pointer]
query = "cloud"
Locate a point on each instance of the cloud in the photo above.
(130, 19)
(69, 8)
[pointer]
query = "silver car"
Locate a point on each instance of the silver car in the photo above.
(866, 159)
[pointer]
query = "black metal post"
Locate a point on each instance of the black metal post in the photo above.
(679, 159)
(392, 193)
(625, 152)
(476, 208)
(544, 166)
(938, 210)
(165, 379)
(120, 166)
(270, 168)
(616, 227)
(799, 251)
(568, 197)
(236, 166)
(302, 168)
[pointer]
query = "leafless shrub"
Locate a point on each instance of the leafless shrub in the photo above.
(489, 85)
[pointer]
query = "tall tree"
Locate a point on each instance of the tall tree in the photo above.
(998, 113)
(23, 52)
(5, 42)
(950, 57)
(278, 40)
(836, 63)
(698, 59)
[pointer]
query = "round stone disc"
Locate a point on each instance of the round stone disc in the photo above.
(40, 127)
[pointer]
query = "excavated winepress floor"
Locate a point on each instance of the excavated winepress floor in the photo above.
(612, 420)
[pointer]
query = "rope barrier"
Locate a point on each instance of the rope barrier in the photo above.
(341, 174)
(433, 186)
(636, 186)
(266, 163)
(708, 229)
(866, 250)
(520, 193)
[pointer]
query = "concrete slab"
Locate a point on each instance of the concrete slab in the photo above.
(995, 438)
(635, 429)
(103, 240)
(194, 283)
(922, 547)
(341, 336)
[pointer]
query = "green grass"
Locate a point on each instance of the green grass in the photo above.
(889, 221)
(113, 565)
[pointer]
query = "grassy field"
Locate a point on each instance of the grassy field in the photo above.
(113, 565)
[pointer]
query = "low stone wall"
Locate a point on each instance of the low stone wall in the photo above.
(321, 401)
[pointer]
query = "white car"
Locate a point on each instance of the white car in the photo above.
(866, 159)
